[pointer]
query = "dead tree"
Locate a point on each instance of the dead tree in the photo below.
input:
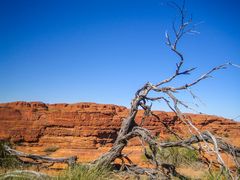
(143, 100)
(166, 94)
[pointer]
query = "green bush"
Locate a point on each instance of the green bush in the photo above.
(84, 172)
(178, 156)
(7, 161)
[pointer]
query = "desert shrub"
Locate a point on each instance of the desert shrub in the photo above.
(178, 156)
(174, 155)
(226, 135)
(7, 161)
(51, 149)
(216, 175)
(84, 172)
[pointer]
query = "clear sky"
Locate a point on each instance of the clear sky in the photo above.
(104, 50)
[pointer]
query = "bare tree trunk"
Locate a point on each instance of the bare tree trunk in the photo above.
(116, 151)
(127, 126)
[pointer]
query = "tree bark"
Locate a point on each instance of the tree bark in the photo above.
(69, 160)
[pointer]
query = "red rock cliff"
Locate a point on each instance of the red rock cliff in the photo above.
(88, 125)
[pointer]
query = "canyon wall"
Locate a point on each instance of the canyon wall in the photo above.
(90, 125)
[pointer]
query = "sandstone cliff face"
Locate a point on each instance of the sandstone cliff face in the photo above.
(83, 125)
(89, 125)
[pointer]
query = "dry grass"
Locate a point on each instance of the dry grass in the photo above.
(85, 172)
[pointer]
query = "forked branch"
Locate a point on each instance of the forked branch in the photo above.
(166, 94)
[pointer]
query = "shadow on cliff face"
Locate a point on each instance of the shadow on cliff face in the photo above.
(106, 137)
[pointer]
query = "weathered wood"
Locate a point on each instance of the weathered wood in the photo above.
(205, 136)
(129, 128)
(24, 174)
(69, 160)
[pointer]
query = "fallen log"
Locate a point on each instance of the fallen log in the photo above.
(44, 159)
(24, 174)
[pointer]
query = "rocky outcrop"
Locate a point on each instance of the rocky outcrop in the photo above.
(89, 125)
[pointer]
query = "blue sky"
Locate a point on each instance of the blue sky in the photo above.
(103, 51)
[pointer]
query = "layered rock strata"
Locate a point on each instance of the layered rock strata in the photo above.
(82, 126)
